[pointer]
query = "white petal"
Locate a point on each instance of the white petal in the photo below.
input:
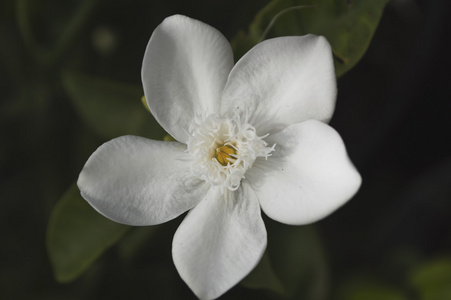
(220, 241)
(184, 72)
(137, 181)
(308, 177)
(283, 81)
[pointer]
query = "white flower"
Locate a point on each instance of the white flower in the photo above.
(250, 136)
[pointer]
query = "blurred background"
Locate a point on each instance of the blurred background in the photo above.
(66, 69)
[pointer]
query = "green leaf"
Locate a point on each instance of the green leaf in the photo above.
(348, 26)
(298, 260)
(433, 279)
(110, 108)
(369, 289)
(77, 235)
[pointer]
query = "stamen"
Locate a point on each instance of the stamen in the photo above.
(224, 149)
(223, 155)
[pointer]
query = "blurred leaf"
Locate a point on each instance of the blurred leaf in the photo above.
(298, 259)
(57, 31)
(263, 277)
(348, 26)
(110, 108)
(368, 289)
(23, 10)
(134, 241)
(433, 279)
(77, 235)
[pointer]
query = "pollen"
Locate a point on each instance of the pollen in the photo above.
(224, 148)
(223, 154)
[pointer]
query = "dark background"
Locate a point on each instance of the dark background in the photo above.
(393, 112)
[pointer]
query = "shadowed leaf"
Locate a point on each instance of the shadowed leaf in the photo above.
(263, 277)
(369, 289)
(110, 108)
(432, 279)
(77, 235)
(348, 26)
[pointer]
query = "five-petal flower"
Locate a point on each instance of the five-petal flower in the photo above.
(250, 136)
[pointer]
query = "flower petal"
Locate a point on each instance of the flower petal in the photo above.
(308, 176)
(137, 181)
(283, 81)
(220, 241)
(184, 72)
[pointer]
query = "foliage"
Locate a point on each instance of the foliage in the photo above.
(77, 235)
(348, 26)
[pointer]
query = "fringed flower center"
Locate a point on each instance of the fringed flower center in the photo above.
(224, 149)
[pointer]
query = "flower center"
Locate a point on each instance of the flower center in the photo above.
(223, 155)
(224, 148)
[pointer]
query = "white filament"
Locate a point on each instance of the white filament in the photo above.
(207, 134)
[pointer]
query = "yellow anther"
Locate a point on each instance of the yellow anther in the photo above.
(223, 154)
